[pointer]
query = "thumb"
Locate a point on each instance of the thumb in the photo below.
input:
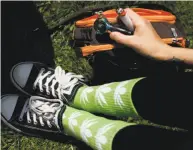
(122, 39)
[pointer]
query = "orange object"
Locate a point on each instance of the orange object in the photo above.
(87, 50)
(149, 14)
(111, 16)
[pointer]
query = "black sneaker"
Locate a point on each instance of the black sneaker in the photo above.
(35, 116)
(33, 78)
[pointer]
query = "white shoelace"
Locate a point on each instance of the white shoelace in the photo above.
(65, 80)
(45, 110)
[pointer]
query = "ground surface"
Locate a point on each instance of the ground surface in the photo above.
(53, 13)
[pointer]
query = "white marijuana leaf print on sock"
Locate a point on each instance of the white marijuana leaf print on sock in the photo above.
(120, 90)
(101, 139)
(99, 94)
(84, 129)
(83, 96)
(72, 120)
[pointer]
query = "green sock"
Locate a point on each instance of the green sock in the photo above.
(110, 99)
(97, 132)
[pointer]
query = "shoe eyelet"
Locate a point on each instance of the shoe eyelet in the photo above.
(35, 123)
(41, 90)
(42, 69)
(20, 119)
(49, 126)
(48, 93)
(49, 72)
(29, 121)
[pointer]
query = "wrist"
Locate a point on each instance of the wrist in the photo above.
(163, 52)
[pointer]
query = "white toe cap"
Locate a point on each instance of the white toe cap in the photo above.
(8, 103)
(21, 73)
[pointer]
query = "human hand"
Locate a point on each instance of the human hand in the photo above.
(145, 39)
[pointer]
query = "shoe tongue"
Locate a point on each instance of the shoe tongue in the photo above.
(35, 71)
(54, 115)
(61, 76)
(57, 115)
(70, 98)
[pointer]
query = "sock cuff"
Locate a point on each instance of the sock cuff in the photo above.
(133, 110)
(97, 132)
(118, 126)
(114, 99)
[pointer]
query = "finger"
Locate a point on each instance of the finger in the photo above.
(135, 18)
(122, 39)
(108, 31)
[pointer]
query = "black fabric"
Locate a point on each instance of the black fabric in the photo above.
(166, 100)
(18, 108)
(33, 76)
(163, 29)
(25, 37)
(60, 118)
(26, 127)
(152, 138)
(127, 64)
(70, 98)
(84, 36)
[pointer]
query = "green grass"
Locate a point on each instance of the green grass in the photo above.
(53, 13)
